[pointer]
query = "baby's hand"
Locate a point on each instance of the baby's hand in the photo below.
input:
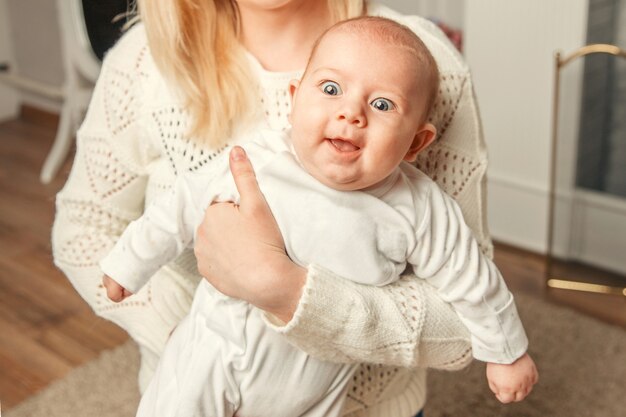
(512, 383)
(115, 291)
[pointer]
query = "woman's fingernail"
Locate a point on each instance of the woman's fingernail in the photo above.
(237, 154)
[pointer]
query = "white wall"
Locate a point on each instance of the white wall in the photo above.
(450, 11)
(510, 47)
(36, 44)
(9, 98)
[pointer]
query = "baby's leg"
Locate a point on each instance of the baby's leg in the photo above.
(223, 360)
(160, 397)
(280, 380)
(189, 380)
(333, 401)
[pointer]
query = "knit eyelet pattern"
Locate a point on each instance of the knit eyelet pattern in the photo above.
(276, 106)
(451, 168)
(106, 173)
(369, 383)
(446, 103)
(119, 102)
(182, 152)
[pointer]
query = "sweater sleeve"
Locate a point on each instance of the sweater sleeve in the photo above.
(401, 324)
(106, 186)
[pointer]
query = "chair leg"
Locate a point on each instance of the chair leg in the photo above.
(61, 145)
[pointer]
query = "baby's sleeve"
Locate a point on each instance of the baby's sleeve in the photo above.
(448, 257)
(160, 235)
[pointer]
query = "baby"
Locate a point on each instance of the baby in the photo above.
(344, 198)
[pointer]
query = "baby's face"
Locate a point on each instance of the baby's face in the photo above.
(357, 112)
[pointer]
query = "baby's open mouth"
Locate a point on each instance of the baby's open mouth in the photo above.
(343, 145)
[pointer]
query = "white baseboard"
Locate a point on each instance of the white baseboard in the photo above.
(41, 102)
(11, 100)
(600, 223)
(9, 103)
(590, 226)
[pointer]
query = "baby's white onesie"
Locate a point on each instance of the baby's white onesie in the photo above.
(223, 359)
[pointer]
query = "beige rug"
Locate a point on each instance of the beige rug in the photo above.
(582, 363)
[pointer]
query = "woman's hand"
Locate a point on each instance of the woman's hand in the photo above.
(241, 252)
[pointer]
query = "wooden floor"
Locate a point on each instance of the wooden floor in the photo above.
(46, 329)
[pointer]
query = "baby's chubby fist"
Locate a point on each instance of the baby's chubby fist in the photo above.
(512, 383)
(115, 291)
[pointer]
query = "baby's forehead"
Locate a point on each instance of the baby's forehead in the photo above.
(363, 36)
(378, 30)
(370, 32)
(395, 53)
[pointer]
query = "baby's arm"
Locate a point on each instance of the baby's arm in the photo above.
(448, 256)
(161, 234)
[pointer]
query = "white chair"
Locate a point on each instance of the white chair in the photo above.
(81, 71)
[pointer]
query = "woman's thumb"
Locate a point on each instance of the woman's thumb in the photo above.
(245, 180)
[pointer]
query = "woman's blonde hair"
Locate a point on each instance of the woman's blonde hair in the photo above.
(219, 87)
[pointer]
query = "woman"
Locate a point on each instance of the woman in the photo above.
(169, 96)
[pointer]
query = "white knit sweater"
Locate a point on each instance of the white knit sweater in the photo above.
(131, 147)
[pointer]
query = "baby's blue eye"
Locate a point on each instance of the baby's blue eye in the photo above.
(382, 104)
(331, 88)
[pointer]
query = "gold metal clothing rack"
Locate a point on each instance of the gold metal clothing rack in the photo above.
(560, 63)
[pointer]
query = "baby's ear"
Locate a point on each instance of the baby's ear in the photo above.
(293, 88)
(425, 135)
